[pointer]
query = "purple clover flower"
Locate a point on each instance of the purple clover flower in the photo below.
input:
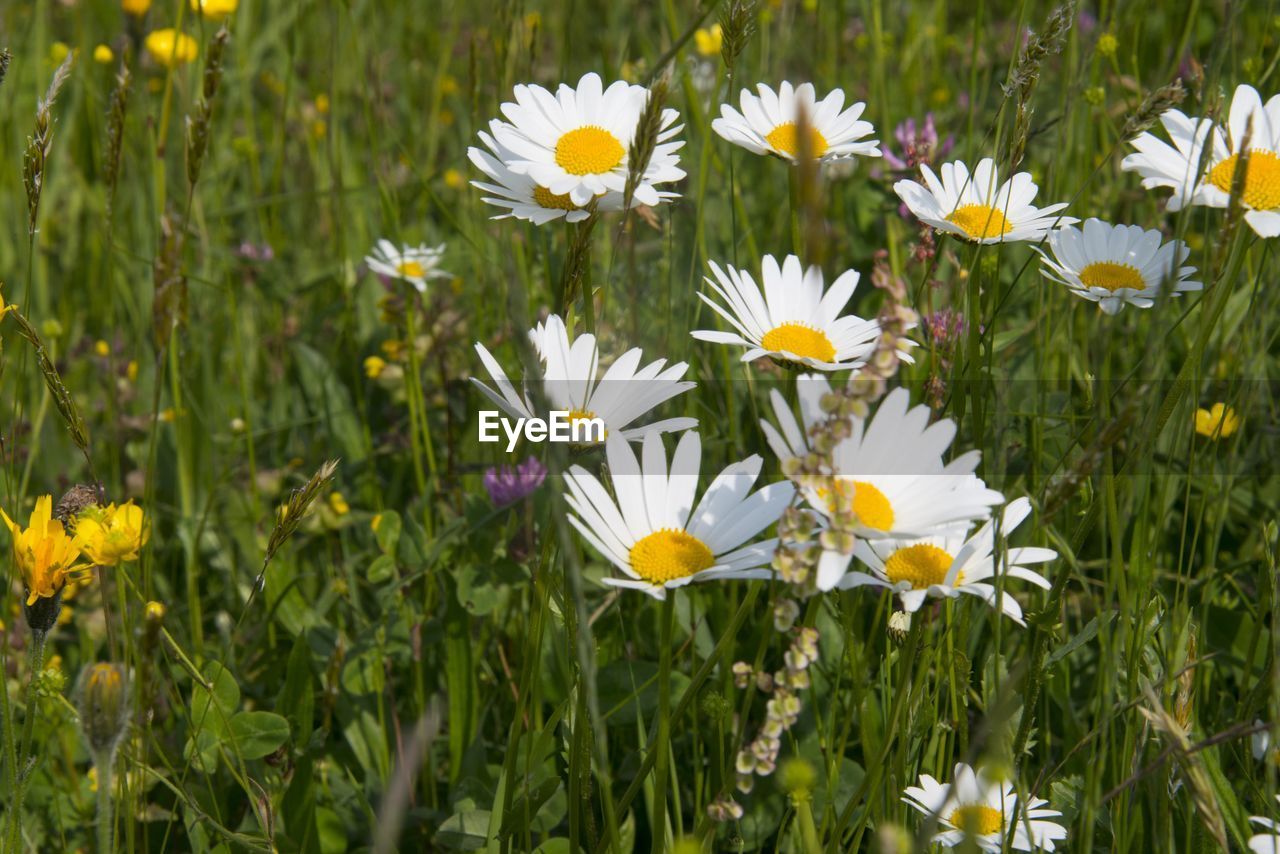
(507, 484)
(919, 144)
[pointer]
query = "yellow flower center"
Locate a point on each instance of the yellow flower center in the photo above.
(922, 565)
(588, 150)
(979, 221)
(668, 554)
(1261, 182)
(584, 415)
(1112, 276)
(785, 139)
(977, 820)
(548, 199)
(411, 269)
(800, 339)
(869, 503)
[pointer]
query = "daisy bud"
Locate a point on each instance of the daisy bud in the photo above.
(104, 705)
(899, 626)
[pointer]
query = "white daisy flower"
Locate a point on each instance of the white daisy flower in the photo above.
(979, 808)
(1117, 264)
(569, 380)
(575, 142)
(1177, 166)
(948, 564)
(793, 318)
(978, 207)
(1265, 843)
(415, 266)
(767, 124)
(655, 534)
(890, 468)
(522, 198)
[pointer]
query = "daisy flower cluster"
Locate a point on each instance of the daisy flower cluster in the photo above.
(873, 495)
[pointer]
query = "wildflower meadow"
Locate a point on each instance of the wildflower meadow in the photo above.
(660, 425)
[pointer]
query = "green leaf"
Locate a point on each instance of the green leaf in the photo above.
(1080, 638)
(382, 569)
(258, 734)
(328, 398)
(463, 831)
(213, 709)
(388, 533)
(298, 693)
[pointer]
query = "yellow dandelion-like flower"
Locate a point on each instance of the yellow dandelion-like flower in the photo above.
(708, 40)
(322, 104)
(374, 366)
(1217, 422)
(454, 180)
(170, 48)
(103, 54)
(214, 10)
(102, 348)
(338, 504)
(43, 551)
(111, 534)
(137, 8)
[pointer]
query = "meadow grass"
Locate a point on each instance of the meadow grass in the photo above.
(338, 634)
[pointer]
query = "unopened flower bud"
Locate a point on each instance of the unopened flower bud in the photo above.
(104, 705)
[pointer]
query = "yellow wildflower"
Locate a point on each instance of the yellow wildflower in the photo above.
(338, 504)
(170, 48)
(113, 534)
(43, 551)
(374, 366)
(137, 8)
(58, 51)
(103, 54)
(322, 104)
(102, 348)
(1217, 422)
(454, 180)
(708, 40)
(214, 10)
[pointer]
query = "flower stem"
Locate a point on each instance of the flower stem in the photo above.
(105, 820)
(36, 662)
(662, 742)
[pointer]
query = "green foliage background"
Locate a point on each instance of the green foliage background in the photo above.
(428, 685)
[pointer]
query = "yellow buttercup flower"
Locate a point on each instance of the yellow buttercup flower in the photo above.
(374, 366)
(170, 48)
(708, 40)
(5, 308)
(44, 551)
(214, 10)
(58, 51)
(1217, 422)
(111, 534)
(338, 503)
(137, 8)
(102, 54)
